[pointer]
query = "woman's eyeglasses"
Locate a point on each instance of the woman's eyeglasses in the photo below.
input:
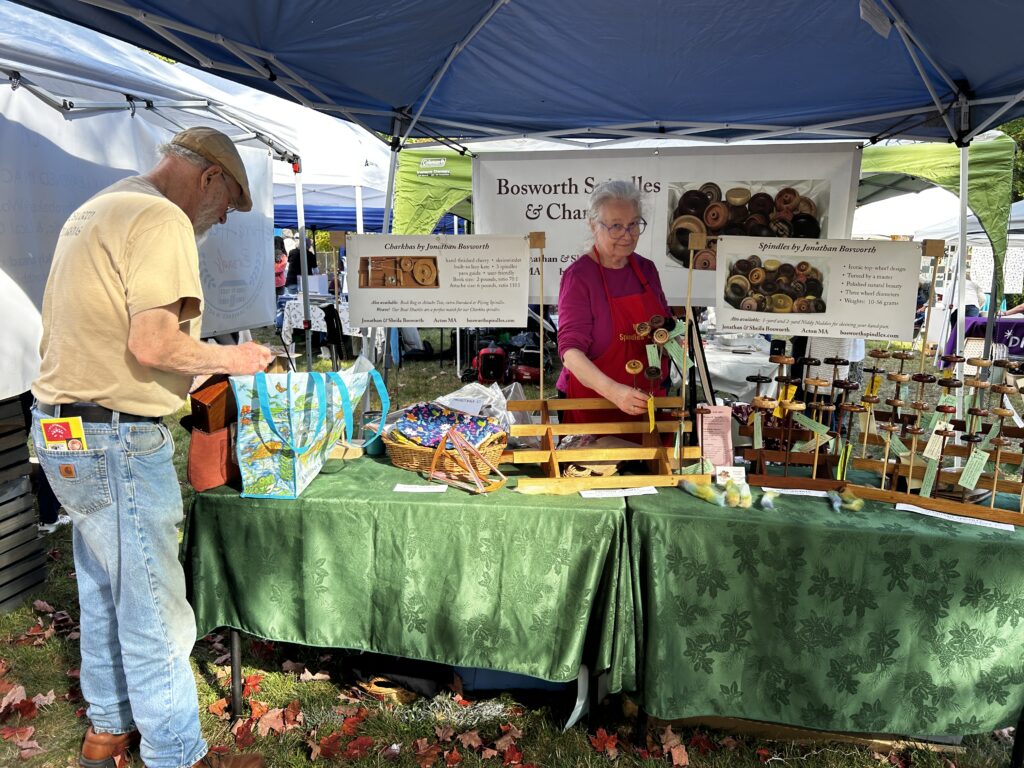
(635, 229)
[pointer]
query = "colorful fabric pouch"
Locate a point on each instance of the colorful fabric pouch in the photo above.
(426, 424)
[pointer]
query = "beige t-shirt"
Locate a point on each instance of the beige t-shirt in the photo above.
(125, 250)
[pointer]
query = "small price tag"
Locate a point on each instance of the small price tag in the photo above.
(897, 446)
(784, 396)
(866, 421)
(810, 424)
(845, 451)
(934, 447)
(972, 469)
(808, 445)
(986, 444)
(931, 469)
(758, 435)
(929, 420)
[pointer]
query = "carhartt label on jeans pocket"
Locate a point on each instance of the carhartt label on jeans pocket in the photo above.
(68, 471)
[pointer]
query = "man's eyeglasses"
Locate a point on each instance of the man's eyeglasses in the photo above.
(635, 229)
(231, 196)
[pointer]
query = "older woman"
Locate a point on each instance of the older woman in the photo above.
(603, 295)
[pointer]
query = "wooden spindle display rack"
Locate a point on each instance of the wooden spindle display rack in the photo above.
(899, 475)
(822, 464)
(660, 460)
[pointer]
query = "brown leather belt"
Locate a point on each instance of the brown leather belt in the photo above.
(94, 414)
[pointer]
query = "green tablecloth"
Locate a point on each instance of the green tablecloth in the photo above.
(879, 621)
(533, 585)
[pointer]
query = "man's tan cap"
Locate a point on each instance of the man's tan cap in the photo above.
(219, 150)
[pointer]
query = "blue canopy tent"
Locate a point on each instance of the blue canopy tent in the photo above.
(924, 69)
(799, 69)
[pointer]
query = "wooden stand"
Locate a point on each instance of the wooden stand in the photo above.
(660, 459)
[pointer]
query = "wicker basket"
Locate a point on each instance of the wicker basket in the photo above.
(418, 458)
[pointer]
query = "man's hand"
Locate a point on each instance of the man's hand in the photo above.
(251, 357)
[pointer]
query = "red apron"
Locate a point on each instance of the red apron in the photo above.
(625, 345)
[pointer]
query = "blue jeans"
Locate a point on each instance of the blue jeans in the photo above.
(138, 630)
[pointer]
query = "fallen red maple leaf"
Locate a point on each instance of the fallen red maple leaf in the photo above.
(452, 757)
(702, 743)
(461, 701)
(358, 748)
(26, 708)
(252, 685)
(330, 745)
(242, 732)
(512, 756)
(508, 739)
(602, 742)
(17, 734)
(763, 754)
(350, 727)
(220, 749)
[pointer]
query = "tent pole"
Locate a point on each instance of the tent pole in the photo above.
(303, 263)
(359, 209)
(961, 275)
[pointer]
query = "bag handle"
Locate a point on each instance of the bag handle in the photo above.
(463, 456)
(260, 380)
(385, 405)
(346, 401)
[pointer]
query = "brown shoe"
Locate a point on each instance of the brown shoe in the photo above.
(100, 749)
(213, 760)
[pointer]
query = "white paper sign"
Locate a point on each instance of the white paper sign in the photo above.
(438, 280)
(607, 493)
(405, 488)
(955, 518)
(832, 288)
(549, 191)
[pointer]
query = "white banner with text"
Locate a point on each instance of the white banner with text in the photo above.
(767, 191)
(834, 288)
(438, 280)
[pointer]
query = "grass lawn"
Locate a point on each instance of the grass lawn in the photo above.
(303, 706)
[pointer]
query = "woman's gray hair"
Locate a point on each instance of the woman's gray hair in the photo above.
(176, 150)
(616, 189)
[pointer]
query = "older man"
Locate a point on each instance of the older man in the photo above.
(121, 316)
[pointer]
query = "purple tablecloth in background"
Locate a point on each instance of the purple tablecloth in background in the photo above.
(1008, 331)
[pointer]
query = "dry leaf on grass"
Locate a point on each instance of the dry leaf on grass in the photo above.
(426, 753)
(471, 740)
(219, 709)
(44, 700)
(257, 709)
(308, 676)
(512, 756)
(508, 738)
(444, 733)
(452, 757)
(42, 606)
(272, 721)
(679, 756)
(669, 738)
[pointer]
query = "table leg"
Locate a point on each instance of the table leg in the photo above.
(236, 675)
(1017, 756)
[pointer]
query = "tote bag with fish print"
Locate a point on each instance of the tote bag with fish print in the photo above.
(288, 423)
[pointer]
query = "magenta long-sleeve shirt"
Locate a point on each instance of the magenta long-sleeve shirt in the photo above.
(584, 318)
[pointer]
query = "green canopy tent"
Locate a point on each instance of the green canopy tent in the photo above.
(897, 169)
(429, 185)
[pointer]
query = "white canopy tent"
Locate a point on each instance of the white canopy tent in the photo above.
(83, 110)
